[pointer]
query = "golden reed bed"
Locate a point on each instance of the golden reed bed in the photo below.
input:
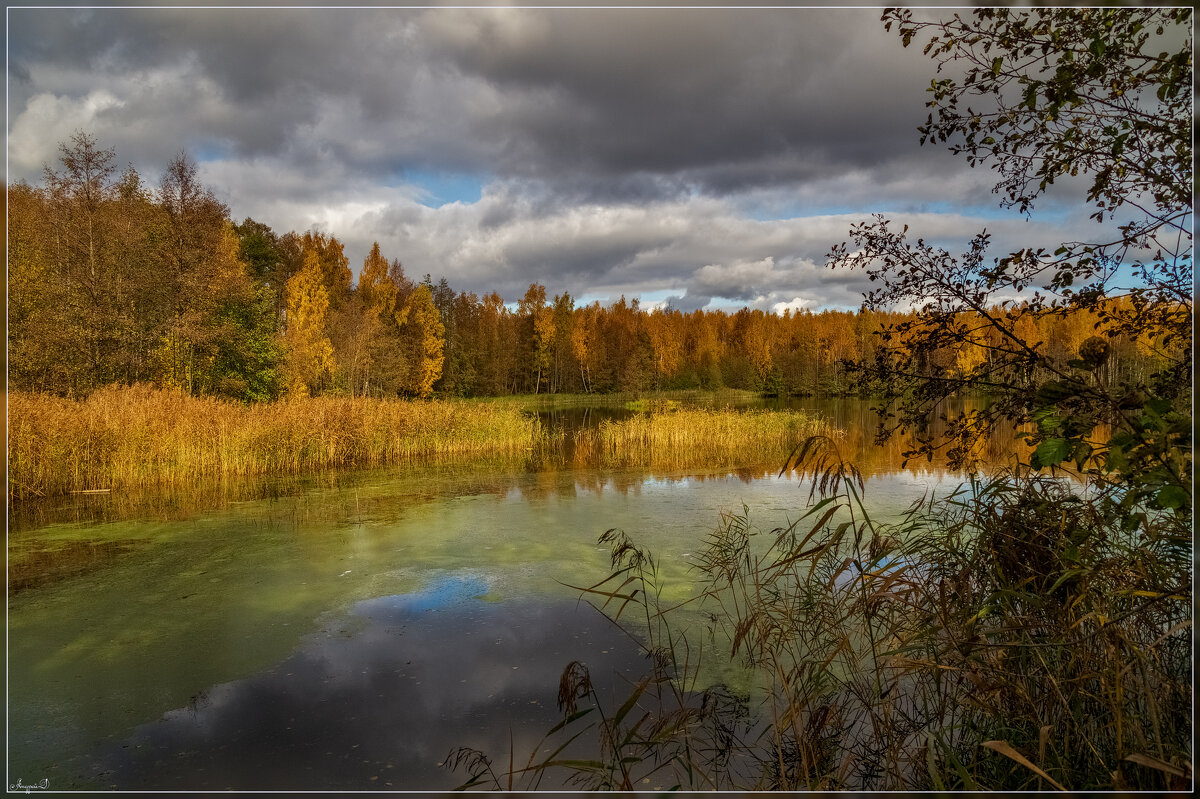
(142, 437)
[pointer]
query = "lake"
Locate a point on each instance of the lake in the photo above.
(346, 631)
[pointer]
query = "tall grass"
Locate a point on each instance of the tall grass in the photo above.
(695, 437)
(141, 436)
(1016, 635)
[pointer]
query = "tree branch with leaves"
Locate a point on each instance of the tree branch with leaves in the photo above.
(1100, 99)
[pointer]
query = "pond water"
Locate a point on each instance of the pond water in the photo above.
(345, 631)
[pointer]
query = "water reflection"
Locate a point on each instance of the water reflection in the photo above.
(378, 697)
(273, 621)
(39, 564)
(354, 497)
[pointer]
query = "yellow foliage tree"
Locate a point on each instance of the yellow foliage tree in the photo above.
(544, 333)
(583, 341)
(376, 288)
(361, 330)
(541, 331)
(309, 351)
(666, 340)
(332, 264)
(972, 351)
(756, 340)
(427, 336)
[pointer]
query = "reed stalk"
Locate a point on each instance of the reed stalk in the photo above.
(140, 436)
(1019, 634)
(695, 437)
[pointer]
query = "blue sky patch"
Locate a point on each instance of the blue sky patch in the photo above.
(442, 188)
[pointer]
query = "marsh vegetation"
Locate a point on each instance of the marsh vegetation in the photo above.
(1007, 635)
(215, 437)
(140, 436)
(124, 438)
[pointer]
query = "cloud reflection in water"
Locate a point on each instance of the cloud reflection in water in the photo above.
(381, 695)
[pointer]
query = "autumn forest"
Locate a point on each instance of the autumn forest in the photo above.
(115, 281)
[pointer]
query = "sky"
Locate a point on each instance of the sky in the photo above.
(691, 157)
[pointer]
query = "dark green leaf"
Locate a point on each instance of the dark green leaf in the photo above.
(1051, 452)
(1172, 497)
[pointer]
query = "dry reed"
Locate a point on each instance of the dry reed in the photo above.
(1016, 635)
(141, 436)
(695, 437)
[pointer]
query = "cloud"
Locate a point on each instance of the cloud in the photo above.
(27, 141)
(705, 155)
(719, 99)
(741, 280)
(694, 251)
(599, 103)
(793, 305)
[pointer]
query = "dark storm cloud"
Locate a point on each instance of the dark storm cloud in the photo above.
(720, 99)
(602, 103)
(252, 79)
(18, 73)
(692, 153)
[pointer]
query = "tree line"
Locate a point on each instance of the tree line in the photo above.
(112, 281)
